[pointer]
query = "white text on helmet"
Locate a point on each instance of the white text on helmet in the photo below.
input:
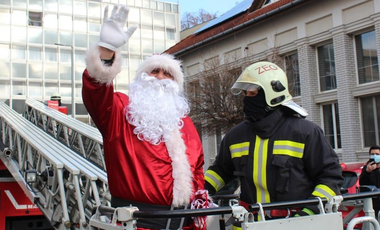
(264, 68)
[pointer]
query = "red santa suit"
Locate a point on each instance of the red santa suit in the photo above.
(165, 174)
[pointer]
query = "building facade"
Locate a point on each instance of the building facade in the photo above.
(43, 45)
(330, 50)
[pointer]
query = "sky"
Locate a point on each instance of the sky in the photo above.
(211, 6)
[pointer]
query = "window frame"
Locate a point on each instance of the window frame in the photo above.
(336, 129)
(319, 65)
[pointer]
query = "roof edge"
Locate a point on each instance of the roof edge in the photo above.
(231, 30)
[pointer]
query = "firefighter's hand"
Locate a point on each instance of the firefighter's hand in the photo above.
(112, 34)
(308, 211)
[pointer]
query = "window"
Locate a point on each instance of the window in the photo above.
(147, 32)
(331, 125)
(35, 35)
(170, 34)
(19, 17)
(158, 18)
(147, 46)
(4, 88)
(65, 72)
(326, 67)
(80, 8)
(371, 119)
(293, 74)
(51, 71)
(35, 70)
(50, 5)
(94, 10)
(19, 87)
(211, 63)
(65, 22)
(35, 53)
(366, 55)
(35, 5)
(4, 51)
(232, 56)
(193, 93)
(51, 21)
(51, 54)
(19, 52)
(159, 46)
(5, 16)
(35, 89)
(159, 33)
(80, 40)
(146, 17)
(168, 7)
(51, 37)
(153, 5)
(170, 20)
(35, 18)
(19, 70)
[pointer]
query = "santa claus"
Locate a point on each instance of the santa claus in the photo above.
(152, 150)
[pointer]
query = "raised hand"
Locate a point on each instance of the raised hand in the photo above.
(112, 34)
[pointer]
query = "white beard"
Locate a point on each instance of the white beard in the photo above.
(156, 108)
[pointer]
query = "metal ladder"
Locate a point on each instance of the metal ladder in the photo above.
(65, 186)
(80, 137)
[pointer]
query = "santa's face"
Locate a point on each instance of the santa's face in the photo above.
(157, 106)
(161, 74)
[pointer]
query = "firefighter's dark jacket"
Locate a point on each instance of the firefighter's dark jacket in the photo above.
(279, 158)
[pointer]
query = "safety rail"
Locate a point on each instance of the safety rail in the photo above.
(65, 186)
(329, 218)
(82, 138)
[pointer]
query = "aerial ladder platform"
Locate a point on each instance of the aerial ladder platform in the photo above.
(84, 139)
(58, 162)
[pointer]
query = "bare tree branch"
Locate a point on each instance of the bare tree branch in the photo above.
(192, 19)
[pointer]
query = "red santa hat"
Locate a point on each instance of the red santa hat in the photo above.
(163, 61)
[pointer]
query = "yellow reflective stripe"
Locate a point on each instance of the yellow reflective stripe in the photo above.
(260, 157)
(308, 211)
(289, 148)
(322, 190)
(239, 150)
(214, 179)
(235, 227)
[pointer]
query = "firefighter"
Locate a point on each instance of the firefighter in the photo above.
(276, 153)
(152, 150)
(56, 97)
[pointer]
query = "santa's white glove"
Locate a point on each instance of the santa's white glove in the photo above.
(112, 34)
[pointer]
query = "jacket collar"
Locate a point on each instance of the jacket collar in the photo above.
(268, 125)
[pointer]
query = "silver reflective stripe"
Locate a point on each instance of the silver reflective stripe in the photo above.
(215, 181)
(323, 192)
(294, 149)
(239, 150)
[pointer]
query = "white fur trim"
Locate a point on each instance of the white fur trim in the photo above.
(163, 61)
(182, 175)
(100, 72)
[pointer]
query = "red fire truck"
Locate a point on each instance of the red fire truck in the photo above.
(16, 210)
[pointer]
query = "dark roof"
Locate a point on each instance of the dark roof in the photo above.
(252, 15)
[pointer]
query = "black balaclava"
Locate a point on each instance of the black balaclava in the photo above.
(255, 108)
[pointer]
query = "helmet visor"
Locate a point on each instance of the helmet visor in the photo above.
(238, 87)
